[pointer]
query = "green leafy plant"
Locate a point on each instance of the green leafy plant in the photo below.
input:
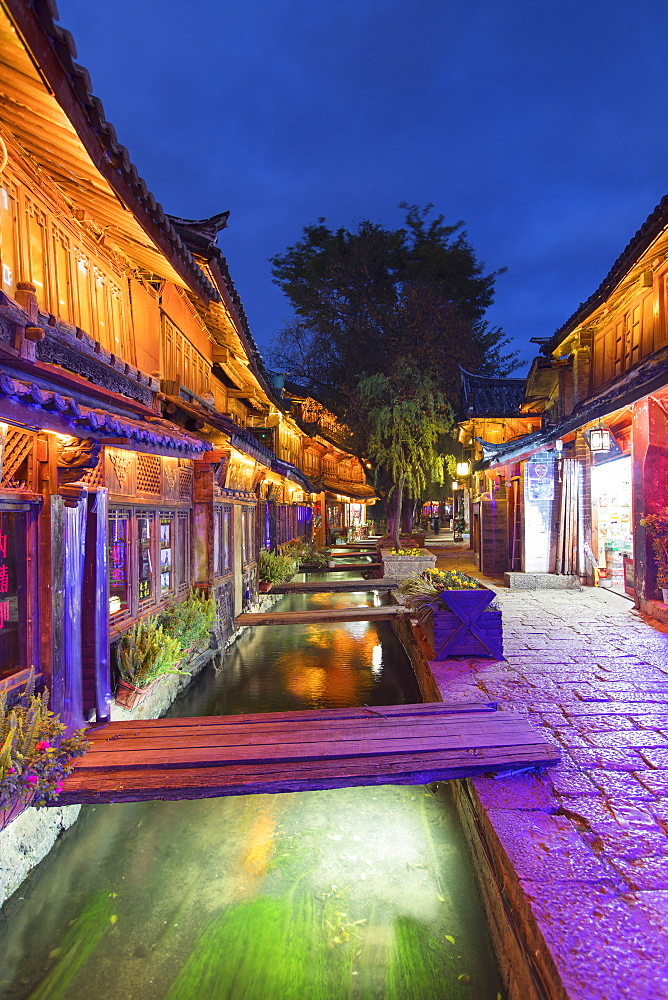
(35, 755)
(656, 526)
(460, 524)
(146, 652)
(303, 552)
(274, 568)
(189, 621)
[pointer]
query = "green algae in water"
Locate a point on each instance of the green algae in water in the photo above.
(417, 966)
(264, 948)
(81, 940)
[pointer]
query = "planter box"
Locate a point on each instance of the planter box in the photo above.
(264, 586)
(401, 567)
(465, 625)
(14, 809)
(128, 696)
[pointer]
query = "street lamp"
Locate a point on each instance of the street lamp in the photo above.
(463, 468)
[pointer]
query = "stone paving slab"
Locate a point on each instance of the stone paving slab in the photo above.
(588, 839)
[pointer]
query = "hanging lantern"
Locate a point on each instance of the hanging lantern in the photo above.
(599, 439)
(463, 468)
(455, 486)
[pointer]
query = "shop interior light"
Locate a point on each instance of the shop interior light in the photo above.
(599, 439)
(463, 468)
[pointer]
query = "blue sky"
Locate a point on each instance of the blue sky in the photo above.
(541, 125)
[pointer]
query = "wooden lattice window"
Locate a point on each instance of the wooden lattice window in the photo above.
(148, 474)
(185, 484)
(17, 462)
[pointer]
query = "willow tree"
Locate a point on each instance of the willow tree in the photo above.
(405, 415)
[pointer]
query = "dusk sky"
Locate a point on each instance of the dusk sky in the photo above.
(541, 125)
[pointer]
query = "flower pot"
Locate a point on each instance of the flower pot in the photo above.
(462, 624)
(128, 696)
(264, 586)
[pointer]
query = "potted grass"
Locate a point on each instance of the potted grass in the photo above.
(144, 654)
(190, 621)
(456, 613)
(35, 753)
(273, 569)
(656, 526)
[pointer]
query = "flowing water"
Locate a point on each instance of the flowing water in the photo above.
(358, 894)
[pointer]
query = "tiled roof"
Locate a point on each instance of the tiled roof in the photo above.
(484, 396)
(37, 408)
(653, 226)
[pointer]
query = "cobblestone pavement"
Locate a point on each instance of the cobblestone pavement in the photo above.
(588, 838)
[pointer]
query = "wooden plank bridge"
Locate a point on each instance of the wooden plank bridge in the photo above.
(321, 616)
(336, 586)
(294, 751)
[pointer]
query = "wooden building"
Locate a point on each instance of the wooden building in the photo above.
(143, 448)
(594, 458)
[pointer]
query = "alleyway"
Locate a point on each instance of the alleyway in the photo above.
(588, 839)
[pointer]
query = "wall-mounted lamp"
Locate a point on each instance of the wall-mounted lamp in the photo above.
(559, 446)
(463, 468)
(455, 486)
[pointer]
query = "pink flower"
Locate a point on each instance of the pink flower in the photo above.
(11, 770)
(32, 779)
(43, 745)
(58, 787)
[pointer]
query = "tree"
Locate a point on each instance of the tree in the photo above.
(365, 298)
(405, 414)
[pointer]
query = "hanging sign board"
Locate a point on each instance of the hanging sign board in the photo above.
(540, 478)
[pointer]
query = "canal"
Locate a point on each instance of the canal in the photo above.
(358, 894)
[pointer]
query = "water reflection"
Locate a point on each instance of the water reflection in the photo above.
(283, 667)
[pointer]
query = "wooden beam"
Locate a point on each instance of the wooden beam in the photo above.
(336, 586)
(321, 616)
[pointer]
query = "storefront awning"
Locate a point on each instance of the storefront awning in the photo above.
(36, 408)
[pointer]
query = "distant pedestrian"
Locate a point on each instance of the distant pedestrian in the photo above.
(436, 524)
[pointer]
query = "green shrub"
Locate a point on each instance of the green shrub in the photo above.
(147, 652)
(189, 621)
(274, 568)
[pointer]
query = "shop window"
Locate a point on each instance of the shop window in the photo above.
(62, 279)
(248, 535)
(166, 549)
(222, 540)
(182, 565)
(83, 293)
(119, 563)
(37, 253)
(8, 239)
(145, 543)
(13, 593)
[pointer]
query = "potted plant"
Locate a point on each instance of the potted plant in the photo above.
(656, 526)
(459, 527)
(144, 654)
(456, 614)
(189, 621)
(35, 754)
(273, 569)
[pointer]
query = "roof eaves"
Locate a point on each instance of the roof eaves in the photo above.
(637, 245)
(54, 51)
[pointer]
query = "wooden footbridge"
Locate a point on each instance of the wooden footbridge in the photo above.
(294, 751)
(322, 616)
(336, 586)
